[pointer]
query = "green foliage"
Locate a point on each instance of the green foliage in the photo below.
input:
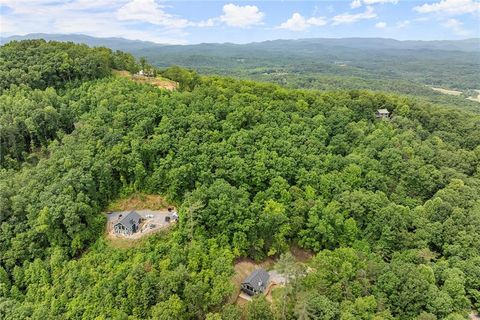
(148, 282)
(231, 312)
(315, 306)
(187, 79)
(41, 64)
(259, 309)
(29, 120)
(407, 67)
(390, 208)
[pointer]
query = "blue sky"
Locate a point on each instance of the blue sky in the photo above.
(184, 22)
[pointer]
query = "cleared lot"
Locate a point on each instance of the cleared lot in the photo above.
(153, 220)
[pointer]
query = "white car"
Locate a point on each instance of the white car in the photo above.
(149, 216)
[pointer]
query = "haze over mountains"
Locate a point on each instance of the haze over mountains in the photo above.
(114, 43)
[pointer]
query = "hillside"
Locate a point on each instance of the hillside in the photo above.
(389, 209)
(385, 64)
(405, 67)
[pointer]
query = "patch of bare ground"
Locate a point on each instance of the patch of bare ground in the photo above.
(158, 81)
(447, 91)
(153, 210)
(139, 201)
(127, 243)
(269, 291)
(477, 98)
(244, 266)
(121, 243)
(300, 254)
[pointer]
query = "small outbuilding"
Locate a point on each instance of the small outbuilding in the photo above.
(382, 114)
(256, 282)
(128, 224)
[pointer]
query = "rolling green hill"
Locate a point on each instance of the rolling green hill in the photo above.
(405, 67)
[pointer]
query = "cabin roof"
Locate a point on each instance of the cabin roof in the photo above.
(258, 279)
(382, 111)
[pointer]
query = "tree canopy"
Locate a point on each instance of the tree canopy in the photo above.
(391, 209)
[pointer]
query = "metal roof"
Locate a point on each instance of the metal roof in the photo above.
(130, 219)
(382, 111)
(258, 279)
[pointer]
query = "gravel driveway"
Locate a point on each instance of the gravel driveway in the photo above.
(153, 221)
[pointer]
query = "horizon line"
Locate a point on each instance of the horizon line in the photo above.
(237, 43)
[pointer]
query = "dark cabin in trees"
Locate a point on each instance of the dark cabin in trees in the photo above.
(256, 282)
(128, 224)
(382, 114)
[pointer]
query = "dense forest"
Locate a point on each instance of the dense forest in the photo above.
(390, 209)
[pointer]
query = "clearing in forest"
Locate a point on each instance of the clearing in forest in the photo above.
(447, 91)
(245, 266)
(159, 82)
(477, 98)
(138, 215)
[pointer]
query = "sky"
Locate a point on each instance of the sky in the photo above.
(189, 22)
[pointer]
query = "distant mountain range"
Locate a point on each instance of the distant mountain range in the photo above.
(317, 63)
(134, 46)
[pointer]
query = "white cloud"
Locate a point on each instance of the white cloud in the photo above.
(93, 17)
(450, 7)
(296, 23)
(345, 18)
(370, 2)
(241, 16)
(91, 4)
(299, 23)
(206, 23)
(317, 21)
(132, 19)
(105, 26)
(380, 25)
(422, 19)
(403, 24)
(456, 26)
(151, 12)
(452, 23)
(48, 6)
(358, 3)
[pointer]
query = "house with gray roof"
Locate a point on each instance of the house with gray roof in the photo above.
(127, 224)
(382, 114)
(256, 282)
